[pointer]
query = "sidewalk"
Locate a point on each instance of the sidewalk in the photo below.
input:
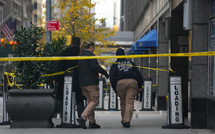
(143, 122)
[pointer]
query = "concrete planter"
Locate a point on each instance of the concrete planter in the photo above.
(31, 108)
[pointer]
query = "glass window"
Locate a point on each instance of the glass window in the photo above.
(35, 5)
(35, 18)
(1, 15)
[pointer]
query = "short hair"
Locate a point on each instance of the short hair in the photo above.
(86, 45)
(120, 51)
(75, 41)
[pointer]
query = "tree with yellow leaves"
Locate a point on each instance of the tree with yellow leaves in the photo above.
(77, 19)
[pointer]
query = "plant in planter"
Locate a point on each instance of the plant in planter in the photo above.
(30, 107)
(53, 49)
(28, 45)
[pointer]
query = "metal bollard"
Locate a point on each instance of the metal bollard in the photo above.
(6, 118)
(68, 119)
(175, 109)
(113, 100)
(147, 95)
(101, 97)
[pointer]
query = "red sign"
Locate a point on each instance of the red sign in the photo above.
(52, 25)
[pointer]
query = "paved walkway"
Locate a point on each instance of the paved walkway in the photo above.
(143, 122)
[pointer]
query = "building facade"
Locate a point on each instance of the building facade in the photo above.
(14, 14)
(37, 12)
(21, 11)
(182, 26)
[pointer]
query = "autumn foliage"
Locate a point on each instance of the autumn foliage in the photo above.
(77, 18)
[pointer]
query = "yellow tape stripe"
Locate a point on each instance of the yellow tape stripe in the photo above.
(14, 82)
(10, 74)
(8, 81)
(139, 66)
(152, 85)
(59, 73)
(18, 86)
(106, 57)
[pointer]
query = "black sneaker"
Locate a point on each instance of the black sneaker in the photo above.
(93, 125)
(81, 122)
(126, 124)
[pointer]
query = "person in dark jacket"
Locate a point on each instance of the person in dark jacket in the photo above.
(125, 80)
(89, 70)
(63, 65)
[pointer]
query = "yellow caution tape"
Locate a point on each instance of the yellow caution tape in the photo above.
(41, 85)
(172, 70)
(59, 73)
(13, 81)
(8, 81)
(10, 74)
(18, 85)
(139, 66)
(212, 53)
(152, 85)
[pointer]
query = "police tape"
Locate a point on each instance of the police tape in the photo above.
(212, 53)
(59, 73)
(14, 81)
(152, 85)
(149, 68)
(45, 75)
(8, 80)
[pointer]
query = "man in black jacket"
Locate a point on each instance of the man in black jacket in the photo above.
(89, 80)
(125, 79)
(63, 65)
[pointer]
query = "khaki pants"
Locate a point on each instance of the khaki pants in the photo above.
(127, 90)
(92, 95)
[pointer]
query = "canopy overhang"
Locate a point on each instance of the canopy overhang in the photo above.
(149, 40)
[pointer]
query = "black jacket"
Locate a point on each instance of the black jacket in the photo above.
(88, 70)
(63, 66)
(124, 70)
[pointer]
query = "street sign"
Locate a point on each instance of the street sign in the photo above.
(100, 106)
(147, 94)
(176, 100)
(175, 108)
(113, 100)
(52, 25)
(67, 100)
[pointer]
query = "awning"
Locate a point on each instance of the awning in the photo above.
(149, 40)
(137, 50)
